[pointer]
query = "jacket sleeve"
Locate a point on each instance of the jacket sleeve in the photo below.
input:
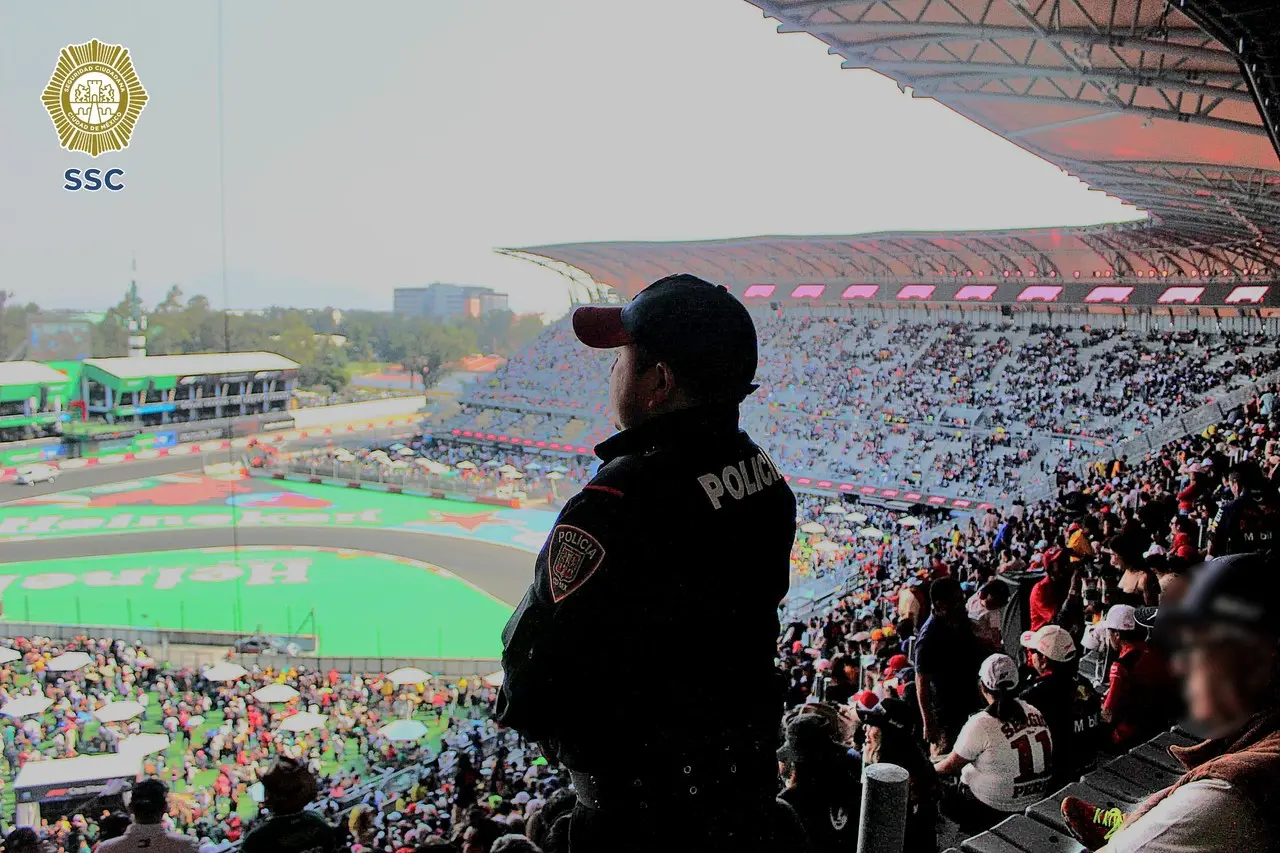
(577, 596)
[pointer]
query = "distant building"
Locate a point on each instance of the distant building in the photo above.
(448, 301)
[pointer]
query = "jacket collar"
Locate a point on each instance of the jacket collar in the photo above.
(671, 429)
(1262, 725)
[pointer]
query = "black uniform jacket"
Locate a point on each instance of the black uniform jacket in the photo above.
(651, 627)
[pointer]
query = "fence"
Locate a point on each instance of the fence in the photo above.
(1192, 422)
(414, 479)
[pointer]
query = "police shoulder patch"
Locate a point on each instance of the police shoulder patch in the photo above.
(572, 558)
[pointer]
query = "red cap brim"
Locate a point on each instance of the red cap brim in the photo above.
(600, 328)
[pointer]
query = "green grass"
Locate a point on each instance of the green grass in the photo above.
(364, 605)
(364, 368)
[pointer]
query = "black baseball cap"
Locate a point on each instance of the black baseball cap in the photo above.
(698, 328)
(149, 792)
(1241, 590)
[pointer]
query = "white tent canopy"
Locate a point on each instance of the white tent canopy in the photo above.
(403, 730)
(303, 722)
(225, 672)
(275, 693)
(409, 675)
(495, 679)
(148, 743)
(25, 706)
(9, 655)
(812, 527)
(69, 662)
(118, 712)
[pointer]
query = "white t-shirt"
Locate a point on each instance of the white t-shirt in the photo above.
(1200, 817)
(152, 837)
(986, 623)
(1010, 762)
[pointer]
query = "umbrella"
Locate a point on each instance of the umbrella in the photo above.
(69, 662)
(9, 655)
(495, 679)
(856, 517)
(834, 509)
(144, 744)
(508, 469)
(466, 465)
(871, 532)
(194, 722)
(225, 672)
(25, 706)
(560, 469)
(533, 466)
(513, 475)
(404, 451)
(492, 463)
(303, 722)
(555, 475)
(409, 675)
(118, 712)
(403, 730)
(812, 527)
(826, 545)
(275, 693)
(909, 521)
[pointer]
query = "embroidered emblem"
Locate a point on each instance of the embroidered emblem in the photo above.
(573, 557)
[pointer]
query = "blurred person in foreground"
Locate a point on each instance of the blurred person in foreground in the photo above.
(24, 840)
(288, 788)
(1226, 633)
(148, 803)
(686, 517)
(823, 784)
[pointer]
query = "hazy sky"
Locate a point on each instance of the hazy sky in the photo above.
(397, 142)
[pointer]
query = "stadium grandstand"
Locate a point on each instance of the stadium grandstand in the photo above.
(34, 400)
(161, 389)
(1012, 451)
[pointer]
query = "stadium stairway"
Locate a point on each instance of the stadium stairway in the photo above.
(1122, 782)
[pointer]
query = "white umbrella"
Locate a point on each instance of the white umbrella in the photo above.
(225, 672)
(826, 545)
(466, 465)
(508, 469)
(560, 469)
(495, 679)
(492, 463)
(833, 509)
(856, 517)
(403, 730)
(409, 675)
(68, 662)
(9, 655)
(194, 722)
(118, 712)
(144, 744)
(871, 532)
(275, 693)
(909, 521)
(812, 527)
(303, 722)
(513, 475)
(533, 466)
(25, 706)
(555, 475)
(404, 451)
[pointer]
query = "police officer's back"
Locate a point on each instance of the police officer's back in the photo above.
(642, 654)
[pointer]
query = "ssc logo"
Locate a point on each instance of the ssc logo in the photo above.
(94, 97)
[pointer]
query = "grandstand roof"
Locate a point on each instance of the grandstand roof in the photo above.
(29, 373)
(1141, 99)
(203, 364)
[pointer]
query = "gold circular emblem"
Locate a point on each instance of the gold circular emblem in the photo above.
(94, 97)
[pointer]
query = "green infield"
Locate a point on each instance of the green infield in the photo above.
(356, 603)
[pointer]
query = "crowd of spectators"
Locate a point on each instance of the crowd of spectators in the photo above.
(858, 396)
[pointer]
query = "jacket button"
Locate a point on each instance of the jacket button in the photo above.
(688, 769)
(733, 768)
(693, 790)
(636, 783)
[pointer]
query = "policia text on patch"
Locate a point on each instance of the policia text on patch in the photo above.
(748, 477)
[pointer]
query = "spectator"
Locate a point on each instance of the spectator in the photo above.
(1139, 702)
(891, 738)
(1055, 598)
(947, 658)
(985, 609)
(1068, 702)
(288, 787)
(148, 804)
(1227, 632)
(822, 784)
(1003, 755)
(1250, 520)
(23, 840)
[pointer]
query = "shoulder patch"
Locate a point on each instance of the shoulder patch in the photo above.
(573, 557)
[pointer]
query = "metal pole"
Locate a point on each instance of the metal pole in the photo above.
(883, 823)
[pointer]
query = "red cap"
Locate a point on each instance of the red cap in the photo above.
(896, 664)
(866, 702)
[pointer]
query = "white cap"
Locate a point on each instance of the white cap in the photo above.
(1122, 617)
(1052, 641)
(998, 671)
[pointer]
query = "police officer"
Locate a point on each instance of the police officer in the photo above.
(642, 656)
(1250, 520)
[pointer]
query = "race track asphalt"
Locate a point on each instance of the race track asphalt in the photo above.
(497, 569)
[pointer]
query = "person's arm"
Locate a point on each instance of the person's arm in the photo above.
(951, 764)
(1205, 815)
(924, 694)
(1115, 692)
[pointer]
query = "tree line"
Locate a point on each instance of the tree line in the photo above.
(326, 342)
